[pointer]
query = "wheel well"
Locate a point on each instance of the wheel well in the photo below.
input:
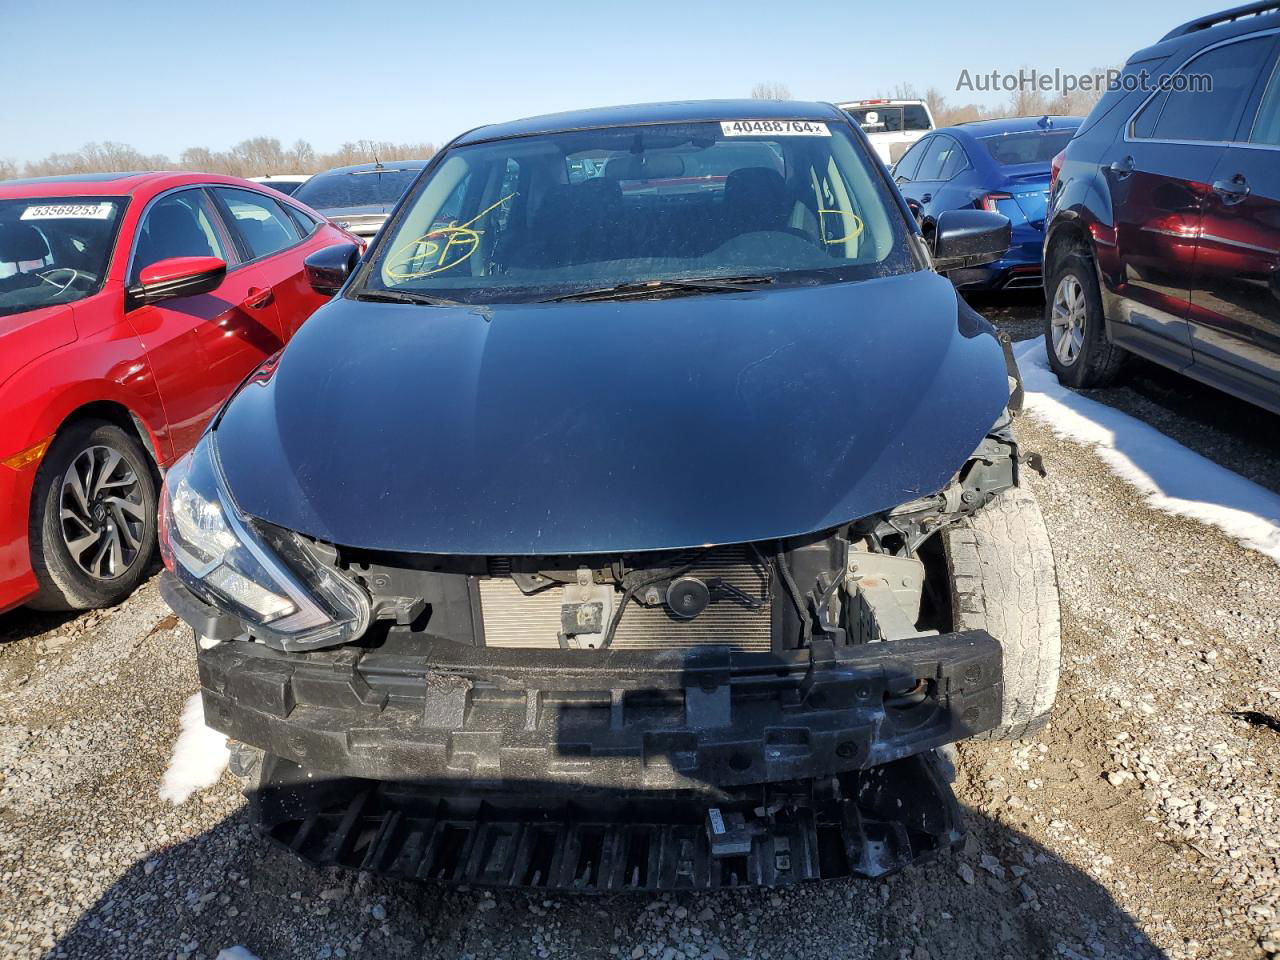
(1067, 239)
(123, 418)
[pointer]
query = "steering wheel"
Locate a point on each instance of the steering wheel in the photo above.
(75, 276)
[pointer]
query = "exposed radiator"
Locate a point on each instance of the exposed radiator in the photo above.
(512, 619)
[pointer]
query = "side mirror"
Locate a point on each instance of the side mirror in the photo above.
(327, 270)
(970, 238)
(178, 277)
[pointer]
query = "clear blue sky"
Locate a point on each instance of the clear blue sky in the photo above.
(165, 76)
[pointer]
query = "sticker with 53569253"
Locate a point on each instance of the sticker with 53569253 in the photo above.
(69, 211)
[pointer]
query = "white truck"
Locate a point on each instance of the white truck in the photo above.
(891, 125)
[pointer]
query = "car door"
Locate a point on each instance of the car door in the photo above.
(929, 178)
(274, 246)
(904, 173)
(199, 347)
(1159, 181)
(1235, 298)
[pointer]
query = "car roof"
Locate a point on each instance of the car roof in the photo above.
(1003, 125)
(389, 165)
(109, 184)
(1254, 16)
(878, 102)
(686, 111)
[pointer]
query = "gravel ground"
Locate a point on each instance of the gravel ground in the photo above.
(1142, 823)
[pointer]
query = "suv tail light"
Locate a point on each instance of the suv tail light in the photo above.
(1055, 168)
(991, 201)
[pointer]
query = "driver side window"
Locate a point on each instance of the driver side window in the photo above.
(179, 225)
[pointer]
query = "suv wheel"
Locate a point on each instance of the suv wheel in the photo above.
(93, 518)
(1074, 333)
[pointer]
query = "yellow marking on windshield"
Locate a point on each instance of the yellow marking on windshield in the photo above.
(437, 243)
(854, 234)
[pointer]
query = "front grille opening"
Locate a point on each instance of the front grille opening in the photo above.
(739, 614)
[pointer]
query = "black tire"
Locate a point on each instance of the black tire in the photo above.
(1094, 361)
(1004, 581)
(64, 578)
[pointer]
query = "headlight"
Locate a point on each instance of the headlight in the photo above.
(270, 580)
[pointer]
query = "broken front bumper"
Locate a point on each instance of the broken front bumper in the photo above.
(603, 769)
(694, 720)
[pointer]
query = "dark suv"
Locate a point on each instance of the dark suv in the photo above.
(1164, 237)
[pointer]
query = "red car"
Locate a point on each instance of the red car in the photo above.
(131, 304)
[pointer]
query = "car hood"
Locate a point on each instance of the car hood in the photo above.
(613, 426)
(24, 337)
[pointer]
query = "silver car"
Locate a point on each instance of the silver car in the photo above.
(359, 198)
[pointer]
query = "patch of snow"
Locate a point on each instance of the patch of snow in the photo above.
(199, 757)
(235, 953)
(1169, 476)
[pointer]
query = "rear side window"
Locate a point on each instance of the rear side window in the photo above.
(955, 161)
(910, 162)
(306, 223)
(1217, 88)
(940, 158)
(1266, 128)
(261, 222)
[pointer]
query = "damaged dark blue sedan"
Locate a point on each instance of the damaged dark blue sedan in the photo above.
(643, 512)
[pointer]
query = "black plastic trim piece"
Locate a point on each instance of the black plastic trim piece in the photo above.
(674, 719)
(205, 620)
(866, 824)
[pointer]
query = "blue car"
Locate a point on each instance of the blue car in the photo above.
(591, 515)
(997, 165)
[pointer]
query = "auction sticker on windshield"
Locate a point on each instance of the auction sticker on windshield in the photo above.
(69, 211)
(785, 128)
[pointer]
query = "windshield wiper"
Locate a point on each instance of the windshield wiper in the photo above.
(395, 296)
(639, 288)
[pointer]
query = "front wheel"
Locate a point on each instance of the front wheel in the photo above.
(93, 518)
(1004, 581)
(1074, 331)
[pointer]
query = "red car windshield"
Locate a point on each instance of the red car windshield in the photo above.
(54, 250)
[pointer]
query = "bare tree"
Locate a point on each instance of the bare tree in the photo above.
(254, 157)
(107, 157)
(936, 100)
(903, 91)
(302, 155)
(1025, 102)
(771, 90)
(966, 113)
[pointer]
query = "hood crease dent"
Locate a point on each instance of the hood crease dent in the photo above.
(603, 427)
